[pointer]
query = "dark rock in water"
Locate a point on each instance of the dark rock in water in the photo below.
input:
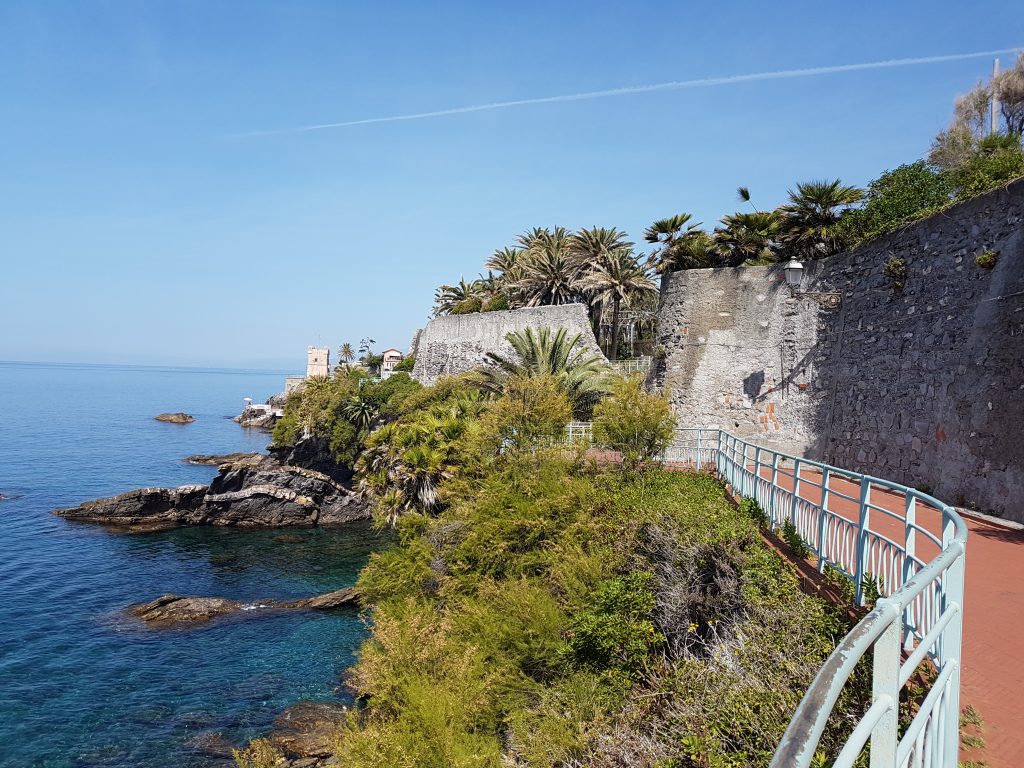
(309, 729)
(210, 744)
(175, 610)
(175, 418)
(338, 599)
(171, 609)
(289, 538)
(248, 493)
(216, 459)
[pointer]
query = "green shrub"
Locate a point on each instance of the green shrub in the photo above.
(897, 197)
(987, 259)
(794, 540)
(749, 507)
(998, 159)
(497, 303)
(617, 632)
(896, 270)
(407, 364)
(638, 424)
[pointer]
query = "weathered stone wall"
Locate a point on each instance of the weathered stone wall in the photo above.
(458, 343)
(923, 385)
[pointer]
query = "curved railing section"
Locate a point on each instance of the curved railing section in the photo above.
(896, 543)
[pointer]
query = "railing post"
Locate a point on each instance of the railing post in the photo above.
(909, 550)
(719, 464)
(796, 492)
(826, 475)
(770, 511)
(864, 519)
(698, 451)
(885, 683)
(952, 640)
(757, 472)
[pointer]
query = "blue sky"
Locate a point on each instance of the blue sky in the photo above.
(139, 224)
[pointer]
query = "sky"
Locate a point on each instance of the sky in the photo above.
(165, 199)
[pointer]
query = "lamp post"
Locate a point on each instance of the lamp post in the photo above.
(794, 272)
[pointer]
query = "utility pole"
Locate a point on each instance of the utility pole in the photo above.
(993, 121)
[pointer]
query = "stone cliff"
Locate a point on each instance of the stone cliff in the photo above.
(458, 343)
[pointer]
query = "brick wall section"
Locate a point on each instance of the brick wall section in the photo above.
(924, 386)
(458, 343)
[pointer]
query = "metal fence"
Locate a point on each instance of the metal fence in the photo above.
(634, 365)
(884, 537)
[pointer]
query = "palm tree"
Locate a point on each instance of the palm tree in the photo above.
(617, 278)
(504, 261)
(548, 270)
(448, 298)
(682, 245)
(748, 238)
(547, 353)
(590, 247)
(360, 412)
(810, 218)
(346, 354)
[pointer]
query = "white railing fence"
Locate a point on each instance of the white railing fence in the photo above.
(897, 542)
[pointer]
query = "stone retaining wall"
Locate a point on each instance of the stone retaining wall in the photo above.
(923, 385)
(457, 343)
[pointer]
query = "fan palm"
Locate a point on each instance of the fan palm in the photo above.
(614, 279)
(549, 353)
(748, 238)
(810, 218)
(683, 245)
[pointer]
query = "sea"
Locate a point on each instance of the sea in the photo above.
(82, 684)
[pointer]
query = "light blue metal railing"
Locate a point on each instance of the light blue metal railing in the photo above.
(899, 541)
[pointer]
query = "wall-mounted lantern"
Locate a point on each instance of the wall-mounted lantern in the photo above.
(794, 271)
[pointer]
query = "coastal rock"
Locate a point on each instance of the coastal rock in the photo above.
(309, 729)
(210, 744)
(172, 609)
(248, 493)
(217, 459)
(257, 417)
(175, 418)
(340, 598)
(142, 509)
(175, 610)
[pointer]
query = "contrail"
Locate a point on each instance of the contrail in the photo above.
(705, 82)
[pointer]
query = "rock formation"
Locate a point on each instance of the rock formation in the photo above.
(175, 418)
(247, 493)
(175, 610)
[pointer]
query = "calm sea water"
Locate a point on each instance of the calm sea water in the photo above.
(80, 685)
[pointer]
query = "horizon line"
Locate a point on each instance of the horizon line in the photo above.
(705, 82)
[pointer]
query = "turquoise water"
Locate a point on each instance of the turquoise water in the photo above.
(80, 685)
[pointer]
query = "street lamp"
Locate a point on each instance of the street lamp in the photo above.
(794, 271)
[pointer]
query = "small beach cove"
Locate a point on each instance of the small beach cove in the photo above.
(85, 685)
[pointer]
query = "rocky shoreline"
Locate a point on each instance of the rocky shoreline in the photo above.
(250, 491)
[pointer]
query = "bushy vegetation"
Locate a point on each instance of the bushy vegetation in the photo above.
(342, 410)
(539, 610)
(638, 425)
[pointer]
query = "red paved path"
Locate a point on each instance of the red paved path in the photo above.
(993, 672)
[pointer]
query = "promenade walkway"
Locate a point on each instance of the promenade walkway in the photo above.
(992, 679)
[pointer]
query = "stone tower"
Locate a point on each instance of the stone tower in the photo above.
(318, 361)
